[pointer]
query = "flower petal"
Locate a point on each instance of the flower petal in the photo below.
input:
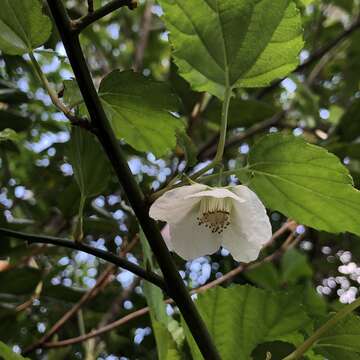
(174, 204)
(250, 226)
(190, 240)
(219, 193)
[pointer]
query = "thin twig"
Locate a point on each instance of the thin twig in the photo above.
(101, 282)
(105, 255)
(74, 120)
(144, 32)
(86, 20)
(290, 242)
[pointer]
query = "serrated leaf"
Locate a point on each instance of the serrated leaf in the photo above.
(241, 317)
(304, 182)
(241, 43)
(341, 341)
(7, 354)
(90, 165)
(23, 26)
(140, 111)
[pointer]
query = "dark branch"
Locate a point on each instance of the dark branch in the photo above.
(80, 24)
(174, 284)
(90, 6)
(105, 255)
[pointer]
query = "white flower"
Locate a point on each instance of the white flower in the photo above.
(201, 219)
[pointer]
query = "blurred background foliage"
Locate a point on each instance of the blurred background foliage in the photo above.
(38, 192)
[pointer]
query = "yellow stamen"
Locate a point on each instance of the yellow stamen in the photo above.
(215, 213)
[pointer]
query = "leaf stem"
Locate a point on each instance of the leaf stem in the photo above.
(105, 255)
(222, 138)
(52, 93)
(79, 226)
(306, 345)
(219, 152)
(224, 120)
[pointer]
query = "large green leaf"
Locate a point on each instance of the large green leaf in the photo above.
(241, 317)
(341, 341)
(140, 111)
(23, 26)
(235, 43)
(7, 354)
(304, 182)
(90, 165)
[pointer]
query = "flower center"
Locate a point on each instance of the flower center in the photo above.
(215, 213)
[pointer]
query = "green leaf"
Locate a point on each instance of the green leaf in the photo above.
(10, 94)
(166, 346)
(304, 182)
(139, 111)
(266, 276)
(190, 150)
(23, 26)
(242, 113)
(349, 126)
(7, 354)
(72, 95)
(295, 266)
(241, 43)
(166, 340)
(341, 341)
(19, 281)
(346, 150)
(13, 120)
(9, 134)
(90, 165)
(241, 317)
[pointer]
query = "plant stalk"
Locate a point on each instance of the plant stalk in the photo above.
(175, 285)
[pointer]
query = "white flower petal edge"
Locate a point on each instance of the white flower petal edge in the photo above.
(201, 219)
(250, 226)
(174, 204)
(218, 193)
